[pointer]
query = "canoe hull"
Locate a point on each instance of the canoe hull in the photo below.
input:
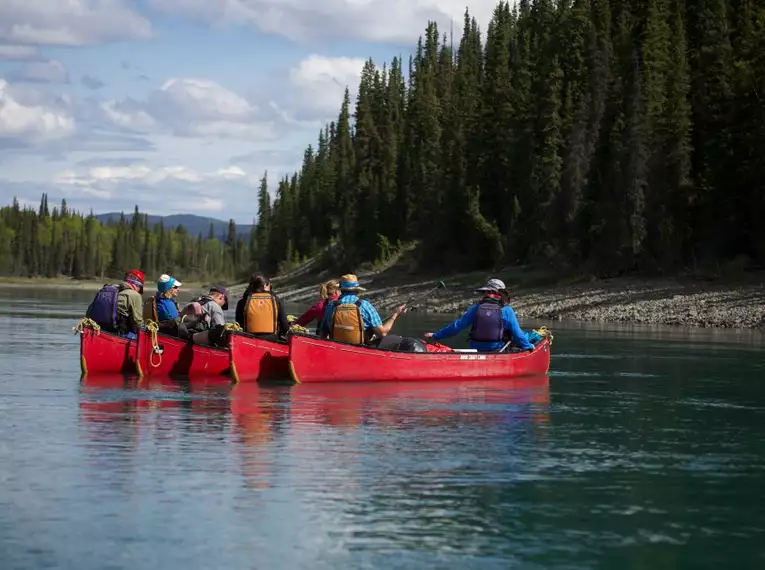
(316, 360)
(103, 353)
(179, 358)
(255, 359)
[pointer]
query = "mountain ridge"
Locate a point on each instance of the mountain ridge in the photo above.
(193, 223)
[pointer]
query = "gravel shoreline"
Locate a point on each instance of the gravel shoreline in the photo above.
(620, 300)
(624, 300)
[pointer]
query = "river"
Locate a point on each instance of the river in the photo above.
(644, 449)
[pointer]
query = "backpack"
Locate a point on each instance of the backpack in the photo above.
(347, 324)
(196, 321)
(103, 309)
(488, 325)
(261, 314)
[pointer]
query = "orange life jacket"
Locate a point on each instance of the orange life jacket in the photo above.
(347, 323)
(261, 314)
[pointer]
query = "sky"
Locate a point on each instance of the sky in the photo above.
(180, 106)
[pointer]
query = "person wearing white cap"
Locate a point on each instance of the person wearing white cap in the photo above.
(163, 306)
(491, 320)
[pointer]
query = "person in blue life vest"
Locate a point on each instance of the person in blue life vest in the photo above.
(353, 320)
(117, 308)
(162, 308)
(491, 319)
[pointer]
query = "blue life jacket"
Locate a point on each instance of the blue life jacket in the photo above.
(103, 309)
(488, 325)
(166, 308)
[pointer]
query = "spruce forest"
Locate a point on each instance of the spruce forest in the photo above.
(611, 136)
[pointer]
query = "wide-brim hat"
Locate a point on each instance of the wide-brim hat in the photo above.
(493, 285)
(349, 282)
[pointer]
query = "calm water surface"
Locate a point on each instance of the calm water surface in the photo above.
(644, 449)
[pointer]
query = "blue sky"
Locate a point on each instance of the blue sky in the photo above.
(179, 106)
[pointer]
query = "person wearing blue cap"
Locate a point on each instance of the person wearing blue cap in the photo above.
(163, 307)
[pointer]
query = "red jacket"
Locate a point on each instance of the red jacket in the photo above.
(315, 312)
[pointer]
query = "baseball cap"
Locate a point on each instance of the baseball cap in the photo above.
(167, 282)
(223, 291)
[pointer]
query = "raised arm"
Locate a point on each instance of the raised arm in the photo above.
(379, 327)
(454, 328)
(314, 312)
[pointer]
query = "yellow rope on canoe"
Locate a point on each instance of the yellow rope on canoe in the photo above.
(296, 328)
(84, 323)
(153, 329)
(545, 333)
(232, 327)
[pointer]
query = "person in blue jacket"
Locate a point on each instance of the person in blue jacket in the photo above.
(491, 318)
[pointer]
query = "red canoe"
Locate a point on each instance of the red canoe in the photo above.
(316, 360)
(106, 353)
(176, 357)
(254, 359)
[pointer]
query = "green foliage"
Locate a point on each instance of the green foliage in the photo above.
(611, 135)
(38, 243)
(593, 133)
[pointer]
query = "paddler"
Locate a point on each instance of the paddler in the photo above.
(260, 311)
(353, 320)
(492, 320)
(117, 308)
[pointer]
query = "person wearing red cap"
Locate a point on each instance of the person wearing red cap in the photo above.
(118, 308)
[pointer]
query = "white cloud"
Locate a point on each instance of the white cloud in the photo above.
(128, 115)
(201, 99)
(26, 116)
(191, 107)
(13, 52)
(385, 21)
(316, 89)
(50, 71)
(321, 81)
(149, 186)
(70, 22)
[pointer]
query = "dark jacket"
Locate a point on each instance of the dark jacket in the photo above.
(283, 323)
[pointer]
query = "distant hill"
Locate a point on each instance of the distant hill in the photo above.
(193, 224)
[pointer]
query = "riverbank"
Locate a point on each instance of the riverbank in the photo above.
(726, 303)
(738, 303)
(66, 283)
(50, 283)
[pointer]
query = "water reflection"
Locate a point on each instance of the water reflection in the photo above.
(261, 422)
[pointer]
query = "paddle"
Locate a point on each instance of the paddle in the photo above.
(408, 309)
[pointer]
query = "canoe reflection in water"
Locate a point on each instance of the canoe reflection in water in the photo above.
(271, 427)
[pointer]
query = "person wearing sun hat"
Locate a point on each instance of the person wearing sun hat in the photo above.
(353, 320)
(491, 319)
